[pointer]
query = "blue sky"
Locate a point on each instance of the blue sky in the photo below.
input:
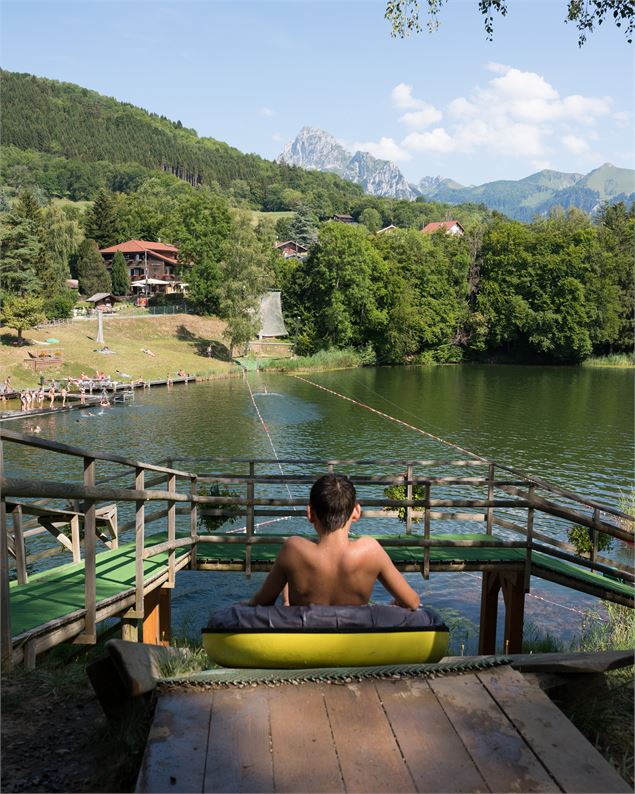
(253, 73)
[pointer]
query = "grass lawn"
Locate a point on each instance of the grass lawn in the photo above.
(257, 216)
(178, 341)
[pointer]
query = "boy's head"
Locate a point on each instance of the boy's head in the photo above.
(332, 501)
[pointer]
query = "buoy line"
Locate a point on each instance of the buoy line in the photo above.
(391, 418)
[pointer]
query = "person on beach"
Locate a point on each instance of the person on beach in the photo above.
(82, 395)
(40, 398)
(64, 393)
(336, 570)
(51, 395)
(23, 401)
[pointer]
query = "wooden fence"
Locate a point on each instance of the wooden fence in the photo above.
(506, 498)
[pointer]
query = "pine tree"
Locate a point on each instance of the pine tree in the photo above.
(102, 224)
(20, 255)
(91, 271)
(303, 228)
(120, 275)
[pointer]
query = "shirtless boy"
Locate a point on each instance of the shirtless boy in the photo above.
(335, 570)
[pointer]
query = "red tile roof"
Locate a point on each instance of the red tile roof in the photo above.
(139, 246)
(430, 228)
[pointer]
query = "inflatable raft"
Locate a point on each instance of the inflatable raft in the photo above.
(324, 636)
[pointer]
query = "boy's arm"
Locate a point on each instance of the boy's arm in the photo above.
(271, 588)
(395, 583)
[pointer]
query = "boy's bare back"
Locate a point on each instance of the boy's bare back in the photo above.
(335, 570)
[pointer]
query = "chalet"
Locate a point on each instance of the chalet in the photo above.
(290, 249)
(450, 227)
(344, 218)
(102, 300)
(151, 266)
(390, 228)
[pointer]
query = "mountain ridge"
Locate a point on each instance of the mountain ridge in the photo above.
(522, 199)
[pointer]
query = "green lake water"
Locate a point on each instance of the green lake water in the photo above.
(572, 427)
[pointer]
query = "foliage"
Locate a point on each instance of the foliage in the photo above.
(120, 275)
(371, 219)
(403, 15)
(399, 492)
(244, 276)
(346, 358)
(303, 227)
(21, 312)
(620, 360)
(212, 523)
(62, 236)
(582, 539)
(91, 270)
(60, 305)
(101, 221)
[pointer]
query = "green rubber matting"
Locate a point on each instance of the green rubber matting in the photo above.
(60, 591)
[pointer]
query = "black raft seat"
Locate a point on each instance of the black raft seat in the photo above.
(324, 636)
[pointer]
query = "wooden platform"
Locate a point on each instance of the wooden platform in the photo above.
(486, 731)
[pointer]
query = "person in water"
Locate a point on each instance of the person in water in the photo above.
(336, 570)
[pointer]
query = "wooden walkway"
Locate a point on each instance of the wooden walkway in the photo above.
(485, 731)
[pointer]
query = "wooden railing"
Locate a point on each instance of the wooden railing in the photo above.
(511, 500)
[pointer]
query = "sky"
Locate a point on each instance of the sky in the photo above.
(252, 74)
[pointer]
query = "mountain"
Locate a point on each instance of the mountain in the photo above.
(317, 150)
(72, 141)
(523, 199)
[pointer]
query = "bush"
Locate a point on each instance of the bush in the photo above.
(60, 306)
(212, 523)
(399, 492)
(582, 539)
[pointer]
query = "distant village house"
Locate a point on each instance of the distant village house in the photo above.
(450, 227)
(290, 249)
(151, 266)
(344, 218)
(390, 228)
(102, 300)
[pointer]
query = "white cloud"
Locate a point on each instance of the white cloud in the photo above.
(419, 119)
(575, 144)
(436, 140)
(385, 149)
(402, 98)
(266, 111)
(517, 113)
(622, 118)
(276, 136)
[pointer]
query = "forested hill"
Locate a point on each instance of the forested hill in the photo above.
(67, 121)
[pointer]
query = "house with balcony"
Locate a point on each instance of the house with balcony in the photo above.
(449, 227)
(152, 266)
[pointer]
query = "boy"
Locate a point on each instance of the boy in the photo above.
(335, 570)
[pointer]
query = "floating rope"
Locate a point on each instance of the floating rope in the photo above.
(266, 429)
(391, 418)
(224, 677)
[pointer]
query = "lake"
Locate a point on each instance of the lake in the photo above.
(570, 426)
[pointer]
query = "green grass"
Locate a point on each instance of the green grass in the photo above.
(622, 360)
(322, 360)
(257, 216)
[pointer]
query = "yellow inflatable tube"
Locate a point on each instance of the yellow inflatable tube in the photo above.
(324, 648)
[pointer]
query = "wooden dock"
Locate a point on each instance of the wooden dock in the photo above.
(483, 731)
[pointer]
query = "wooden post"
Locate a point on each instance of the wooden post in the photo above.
(250, 518)
(90, 582)
(75, 539)
(514, 595)
(5, 600)
(489, 612)
(129, 629)
(530, 530)
(171, 531)
(408, 479)
(157, 624)
(193, 521)
(595, 535)
(18, 540)
(426, 533)
(490, 497)
(139, 542)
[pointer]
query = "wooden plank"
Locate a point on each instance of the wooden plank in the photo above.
(239, 748)
(369, 756)
(90, 551)
(497, 749)
(174, 758)
(575, 764)
(20, 551)
(434, 754)
(304, 757)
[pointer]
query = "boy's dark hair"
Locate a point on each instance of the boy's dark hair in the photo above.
(332, 500)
